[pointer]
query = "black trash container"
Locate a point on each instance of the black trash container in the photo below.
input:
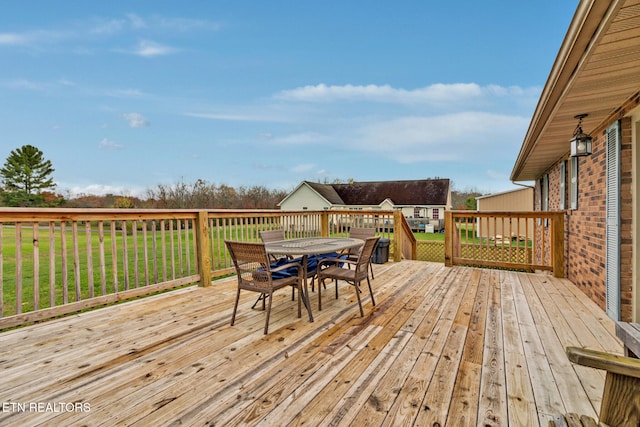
(381, 253)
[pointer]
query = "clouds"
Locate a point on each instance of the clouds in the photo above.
(443, 138)
(136, 120)
(435, 94)
(454, 130)
(106, 144)
(436, 123)
(13, 39)
(148, 49)
(130, 34)
(385, 93)
(266, 95)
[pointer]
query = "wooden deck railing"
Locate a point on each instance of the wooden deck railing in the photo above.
(514, 240)
(59, 261)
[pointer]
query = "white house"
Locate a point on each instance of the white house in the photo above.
(423, 199)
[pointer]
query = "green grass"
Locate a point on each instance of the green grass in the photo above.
(78, 288)
(433, 237)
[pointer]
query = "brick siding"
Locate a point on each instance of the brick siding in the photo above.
(585, 231)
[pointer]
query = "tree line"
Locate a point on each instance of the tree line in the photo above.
(27, 182)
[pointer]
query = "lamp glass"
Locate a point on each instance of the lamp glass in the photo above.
(581, 145)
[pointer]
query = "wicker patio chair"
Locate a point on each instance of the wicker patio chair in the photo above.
(273, 236)
(363, 234)
(335, 269)
(255, 274)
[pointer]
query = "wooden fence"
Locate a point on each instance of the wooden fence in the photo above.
(514, 240)
(59, 261)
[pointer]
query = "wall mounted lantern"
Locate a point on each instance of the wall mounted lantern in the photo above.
(581, 142)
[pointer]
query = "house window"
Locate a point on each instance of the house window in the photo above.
(435, 213)
(573, 191)
(416, 212)
(544, 193)
(563, 185)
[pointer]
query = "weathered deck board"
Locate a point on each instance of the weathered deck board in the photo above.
(454, 346)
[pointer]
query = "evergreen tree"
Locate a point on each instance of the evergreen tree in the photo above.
(26, 171)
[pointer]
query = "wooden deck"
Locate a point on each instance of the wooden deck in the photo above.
(444, 346)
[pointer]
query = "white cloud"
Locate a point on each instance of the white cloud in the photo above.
(136, 120)
(306, 167)
(239, 117)
(148, 49)
(26, 84)
(106, 144)
(452, 137)
(12, 39)
(436, 93)
(102, 190)
(305, 138)
(125, 93)
(377, 93)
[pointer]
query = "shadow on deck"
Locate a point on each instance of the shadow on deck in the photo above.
(454, 346)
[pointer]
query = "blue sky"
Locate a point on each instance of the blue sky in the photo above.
(124, 95)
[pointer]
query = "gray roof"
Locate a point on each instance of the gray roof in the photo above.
(408, 193)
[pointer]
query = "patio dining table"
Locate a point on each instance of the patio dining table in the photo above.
(311, 246)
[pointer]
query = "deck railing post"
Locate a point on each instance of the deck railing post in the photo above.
(203, 247)
(557, 244)
(448, 238)
(324, 224)
(398, 235)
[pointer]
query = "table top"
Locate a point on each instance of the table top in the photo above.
(312, 245)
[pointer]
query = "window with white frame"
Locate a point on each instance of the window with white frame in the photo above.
(435, 213)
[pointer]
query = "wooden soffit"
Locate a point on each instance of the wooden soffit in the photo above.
(596, 72)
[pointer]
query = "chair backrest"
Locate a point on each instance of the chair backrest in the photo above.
(362, 233)
(271, 235)
(365, 255)
(251, 262)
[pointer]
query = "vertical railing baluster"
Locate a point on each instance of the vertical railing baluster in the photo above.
(52, 264)
(154, 250)
(114, 256)
(163, 243)
(125, 254)
(18, 268)
(76, 259)
(145, 252)
(187, 251)
(180, 253)
(36, 267)
(136, 255)
(173, 249)
(65, 266)
(89, 244)
(103, 263)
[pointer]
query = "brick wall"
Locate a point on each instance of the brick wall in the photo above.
(585, 232)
